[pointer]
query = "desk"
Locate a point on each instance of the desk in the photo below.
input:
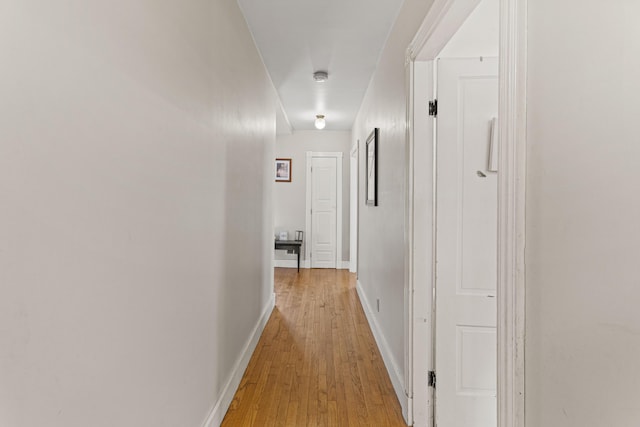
(291, 246)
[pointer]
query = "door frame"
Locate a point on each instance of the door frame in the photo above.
(442, 21)
(353, 207)
(307, 235)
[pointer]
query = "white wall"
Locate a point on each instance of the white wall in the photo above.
(582, 269)
(381, 269)
(136, 152)
(290, 197)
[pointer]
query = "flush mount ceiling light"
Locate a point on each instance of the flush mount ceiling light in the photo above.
(320, 76)
(320, 122)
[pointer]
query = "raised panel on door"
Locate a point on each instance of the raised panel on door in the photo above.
(466, 248)
(323, 212)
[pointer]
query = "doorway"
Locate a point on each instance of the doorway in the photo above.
(441, 25)
(324, 210)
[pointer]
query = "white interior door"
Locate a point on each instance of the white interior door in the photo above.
(466, 249)
(323, 212)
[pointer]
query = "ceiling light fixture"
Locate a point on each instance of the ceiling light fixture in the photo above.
(320, 76)
(320, 122)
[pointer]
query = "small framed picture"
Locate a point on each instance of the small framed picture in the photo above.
(283, 170)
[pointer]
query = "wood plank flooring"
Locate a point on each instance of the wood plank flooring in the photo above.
(317, 363)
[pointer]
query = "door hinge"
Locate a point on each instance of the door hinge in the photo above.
(433, 108)
(432, 379)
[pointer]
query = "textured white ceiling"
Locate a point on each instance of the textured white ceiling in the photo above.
(343, 37)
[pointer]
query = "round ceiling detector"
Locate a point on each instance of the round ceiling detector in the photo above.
(320, 76)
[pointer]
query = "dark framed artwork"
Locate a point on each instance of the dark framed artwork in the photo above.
(372, 168)
(283, 170)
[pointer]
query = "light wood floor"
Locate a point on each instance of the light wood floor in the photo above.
(317, 363)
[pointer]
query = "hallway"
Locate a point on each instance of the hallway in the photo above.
(317, 363)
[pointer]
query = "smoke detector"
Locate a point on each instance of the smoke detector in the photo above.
(320, 76)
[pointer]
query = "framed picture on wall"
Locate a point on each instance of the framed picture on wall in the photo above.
(283, 170)
(372, 168)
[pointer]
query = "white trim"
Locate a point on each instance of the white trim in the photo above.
(354, 195)
(335, 154)
(288, 263)
(397, 379)
(422, 247)
(293, 263)
(511, 213)
(408, 244)
(307, 212)
(338, 156)
(339, 212)
(222, 404)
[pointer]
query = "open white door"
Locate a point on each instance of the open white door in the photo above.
(323, 212)
(466, 249)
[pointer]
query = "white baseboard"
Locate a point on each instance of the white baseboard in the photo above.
(397, 378)
(222, 405)
(292, 263)
(288, 263)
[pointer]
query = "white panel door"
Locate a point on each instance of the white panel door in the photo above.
(323, 212)
(466, 251)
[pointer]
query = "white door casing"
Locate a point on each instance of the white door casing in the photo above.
(353, 209)
(466, 250)
(324, 210)
(422, 246)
